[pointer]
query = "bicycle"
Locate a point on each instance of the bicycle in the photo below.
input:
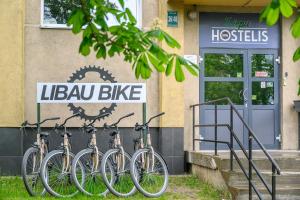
(121, 185)
(56, 166)
(92, 184)
(148, 169)
(32, 159)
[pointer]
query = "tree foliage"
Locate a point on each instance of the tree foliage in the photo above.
(286, 8)
(138, 47)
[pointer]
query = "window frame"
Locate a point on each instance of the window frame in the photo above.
(64, 26)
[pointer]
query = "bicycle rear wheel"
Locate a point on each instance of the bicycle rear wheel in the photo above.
(152, 178)
(122, 185)
(31, 172)
(59, 182)
(90, 182)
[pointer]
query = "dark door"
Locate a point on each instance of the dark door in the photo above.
(250, 79)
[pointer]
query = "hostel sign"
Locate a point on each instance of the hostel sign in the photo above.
(236, 31)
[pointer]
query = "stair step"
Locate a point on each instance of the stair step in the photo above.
(237, 178)
(287, 184)
(285, 164)
(287, 192)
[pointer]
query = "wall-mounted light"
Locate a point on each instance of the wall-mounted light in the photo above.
(192, 14)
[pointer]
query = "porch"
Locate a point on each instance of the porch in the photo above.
(215, 169)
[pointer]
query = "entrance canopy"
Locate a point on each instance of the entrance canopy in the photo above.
(246, 3)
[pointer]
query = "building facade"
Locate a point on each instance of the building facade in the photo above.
(238, 57)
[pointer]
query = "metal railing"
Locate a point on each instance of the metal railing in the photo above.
(251, 136)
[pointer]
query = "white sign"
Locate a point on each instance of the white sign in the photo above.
(191, 58)
(241, 35)
(91, 92)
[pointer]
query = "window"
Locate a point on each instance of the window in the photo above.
(54, 13)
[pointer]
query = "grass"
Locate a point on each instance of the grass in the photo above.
(180, 187)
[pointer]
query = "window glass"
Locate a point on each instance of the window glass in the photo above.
(216, 90)
(262, 65)
(57, 12)
(223, 65)
(263, 93)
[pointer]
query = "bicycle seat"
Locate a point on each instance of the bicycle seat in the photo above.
(44, 134)
(139, 128)
(68, 134)
(113, 133)
(91, 130)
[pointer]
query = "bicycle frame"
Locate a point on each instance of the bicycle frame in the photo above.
(67, 147)
(146, 159)
(120, 157)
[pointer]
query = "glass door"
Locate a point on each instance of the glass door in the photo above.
(223, 74)
(263, 96)
(250, 79)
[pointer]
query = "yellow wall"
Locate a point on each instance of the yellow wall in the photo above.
(289, 88)
(171, 92)
(11, 62)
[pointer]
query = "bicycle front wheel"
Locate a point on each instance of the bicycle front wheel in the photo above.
(90, 182)
(59, 181)
(122, 185)
(152, 178)
(31, 164)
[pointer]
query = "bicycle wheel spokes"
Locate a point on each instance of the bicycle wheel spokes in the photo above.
(90, 179)
(59, 179)
(31, 173)
(153, 174)
(122, 184)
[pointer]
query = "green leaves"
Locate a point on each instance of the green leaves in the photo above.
(85, 45)
(271, 13)
(130, 16)
(76, 20)
(295, 28)
(296, 55)
(162, 35)
(127, 40)
(178, 71)
(286, 8)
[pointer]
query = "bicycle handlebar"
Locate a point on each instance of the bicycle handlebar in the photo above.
(115, 124)
(39, 123)
(160, 114)
(98, 117)
(63, 124)
(139, 127)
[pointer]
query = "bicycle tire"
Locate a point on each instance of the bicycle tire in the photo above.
(82, 186)
(109, 185)
(28, 185)
(137, 183)
(45, 171)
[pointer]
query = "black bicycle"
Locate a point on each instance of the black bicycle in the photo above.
(33, 157)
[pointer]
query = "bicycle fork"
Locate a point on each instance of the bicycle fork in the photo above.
(66, 159)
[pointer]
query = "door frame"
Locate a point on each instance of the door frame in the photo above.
(247, 79)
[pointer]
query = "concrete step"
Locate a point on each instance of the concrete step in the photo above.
(287, 192)
(285, 164)
(237, 178)
(287, 161)
(287, 184)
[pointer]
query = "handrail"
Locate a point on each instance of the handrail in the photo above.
(251, 136)
(246, 125)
